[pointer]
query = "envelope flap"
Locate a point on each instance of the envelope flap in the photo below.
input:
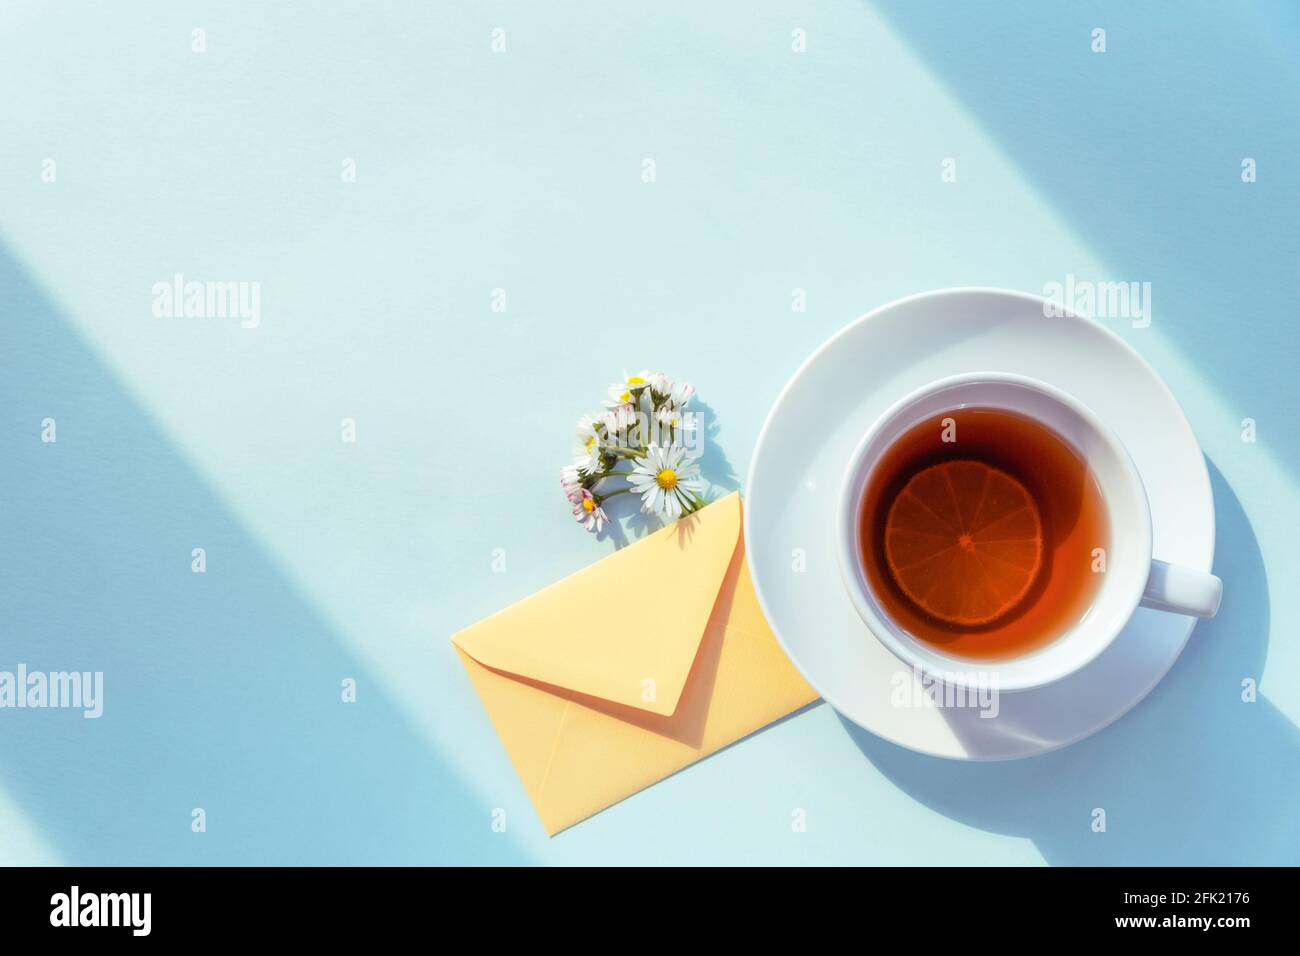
(625, 629)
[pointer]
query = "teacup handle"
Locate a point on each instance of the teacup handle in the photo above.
(1171, 587)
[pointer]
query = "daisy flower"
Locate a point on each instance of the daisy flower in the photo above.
(622, 393)
(672, 422)
(588, 512)
(660, 385)
(586, 453)
(666, 481)
(679, 393)
(571, 482)
(645, 424)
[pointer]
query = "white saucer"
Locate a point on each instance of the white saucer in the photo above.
(801, 457)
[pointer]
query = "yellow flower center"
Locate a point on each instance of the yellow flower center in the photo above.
(666, 479)
(635, 381)
(591, 443)
(589, 505)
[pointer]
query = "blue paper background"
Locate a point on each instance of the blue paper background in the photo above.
(522, 170)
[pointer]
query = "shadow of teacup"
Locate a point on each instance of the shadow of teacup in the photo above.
(1197, 774)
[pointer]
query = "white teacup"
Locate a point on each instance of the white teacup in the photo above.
(1131, 578)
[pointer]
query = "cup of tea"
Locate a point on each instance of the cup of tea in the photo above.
(991, 522)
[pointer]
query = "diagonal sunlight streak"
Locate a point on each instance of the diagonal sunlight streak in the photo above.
(21, 840)
(222, 691)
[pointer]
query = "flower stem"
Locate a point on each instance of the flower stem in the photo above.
(601, 499)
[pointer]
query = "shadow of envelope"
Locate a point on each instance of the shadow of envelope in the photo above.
(631, 669)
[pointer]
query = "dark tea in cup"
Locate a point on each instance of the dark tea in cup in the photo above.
(983, 533)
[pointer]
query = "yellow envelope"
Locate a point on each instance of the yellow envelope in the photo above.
(629, 670)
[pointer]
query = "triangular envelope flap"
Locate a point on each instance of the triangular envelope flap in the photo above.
(625, 629)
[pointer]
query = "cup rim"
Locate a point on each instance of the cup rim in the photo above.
(849, 531)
